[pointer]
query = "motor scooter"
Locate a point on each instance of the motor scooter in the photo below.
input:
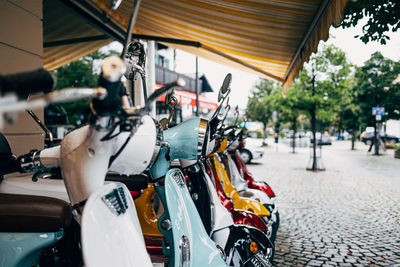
(237, 236)
(106, 213)
(242, 186)
(31, 227)
(238, 201)
(239, 242)
(246, 175)
(218, 137)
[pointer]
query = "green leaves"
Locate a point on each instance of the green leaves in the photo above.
(375, 86)
(382, 16)
(80, 73)
(325, 86)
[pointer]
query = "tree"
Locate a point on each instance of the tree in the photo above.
(290, 106)
(383, 16)
(80, 73)
(258, 105)
(321, 88)
(375, 87)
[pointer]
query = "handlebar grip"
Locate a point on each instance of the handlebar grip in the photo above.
(25, 83)
(8, 164)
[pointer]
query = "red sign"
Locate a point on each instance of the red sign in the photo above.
(189, 99)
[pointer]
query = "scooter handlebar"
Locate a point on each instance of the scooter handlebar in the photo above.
(23, 84)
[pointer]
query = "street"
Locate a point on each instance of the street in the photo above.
(347, 215)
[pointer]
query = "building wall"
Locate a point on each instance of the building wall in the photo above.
(21, 49)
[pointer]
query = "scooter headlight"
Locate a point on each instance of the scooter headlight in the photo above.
(184, 250)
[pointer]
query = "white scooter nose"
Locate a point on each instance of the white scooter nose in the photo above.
(111, 234)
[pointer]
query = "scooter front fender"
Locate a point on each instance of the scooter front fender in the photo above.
(239, 242)
(111, 233)
(187, 228)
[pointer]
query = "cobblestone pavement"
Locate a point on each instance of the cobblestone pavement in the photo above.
(348, 215)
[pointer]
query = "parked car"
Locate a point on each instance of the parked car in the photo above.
(368, 137)
(252, 150)
(322, 140)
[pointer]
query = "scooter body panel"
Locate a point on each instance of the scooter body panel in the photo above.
(84, 161)
(138, 153)
(111, 233)
(188, 230)
(23, 249)
(182, 144)
(238, 202)
(22, 184)
(259, 185)
(241, 185)
(148, 217)
(222, 218)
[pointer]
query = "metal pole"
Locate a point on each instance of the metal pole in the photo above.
(151, 72)
(376, 142)
(197, 86)
(313, 127)
(132, 21)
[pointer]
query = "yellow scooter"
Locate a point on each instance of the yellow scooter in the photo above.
(149, 209)
(238, 202)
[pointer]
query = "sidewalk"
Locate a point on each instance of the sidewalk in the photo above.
(348, 215)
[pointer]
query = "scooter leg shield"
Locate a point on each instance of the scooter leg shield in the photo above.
(111, 233)
(191, 244)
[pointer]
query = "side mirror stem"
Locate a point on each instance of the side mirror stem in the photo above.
(48, 135)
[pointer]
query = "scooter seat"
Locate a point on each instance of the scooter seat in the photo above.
(133, 182)
(27, 213)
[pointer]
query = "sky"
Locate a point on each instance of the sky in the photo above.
(243, 82)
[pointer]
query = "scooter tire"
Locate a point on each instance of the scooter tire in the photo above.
(275, 227)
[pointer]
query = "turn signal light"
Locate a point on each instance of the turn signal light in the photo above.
(253, 247)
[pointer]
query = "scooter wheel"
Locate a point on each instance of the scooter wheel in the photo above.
(275, 227)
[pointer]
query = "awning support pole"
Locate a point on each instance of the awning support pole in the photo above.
(197, 86)
(132, 21)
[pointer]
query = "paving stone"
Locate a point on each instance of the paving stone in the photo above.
(347, 215)
(315, 263)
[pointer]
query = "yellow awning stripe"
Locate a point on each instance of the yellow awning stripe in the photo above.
(258, 36)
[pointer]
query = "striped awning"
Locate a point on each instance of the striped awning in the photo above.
(272, 38)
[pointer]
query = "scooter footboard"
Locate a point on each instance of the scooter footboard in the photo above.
(191, 244)
(23, 249)
(111, 233)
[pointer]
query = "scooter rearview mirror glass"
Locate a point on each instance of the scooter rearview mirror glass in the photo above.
(225, 86)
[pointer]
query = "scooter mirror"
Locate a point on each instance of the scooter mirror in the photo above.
(225, 86)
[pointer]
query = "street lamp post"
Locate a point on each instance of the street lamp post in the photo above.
(375, 142)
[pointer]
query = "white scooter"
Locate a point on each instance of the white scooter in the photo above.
(111, 233)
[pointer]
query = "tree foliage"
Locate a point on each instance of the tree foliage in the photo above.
(375, 86)
(382, 16)
(324, 87)
(259, 105)
(80, 73)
